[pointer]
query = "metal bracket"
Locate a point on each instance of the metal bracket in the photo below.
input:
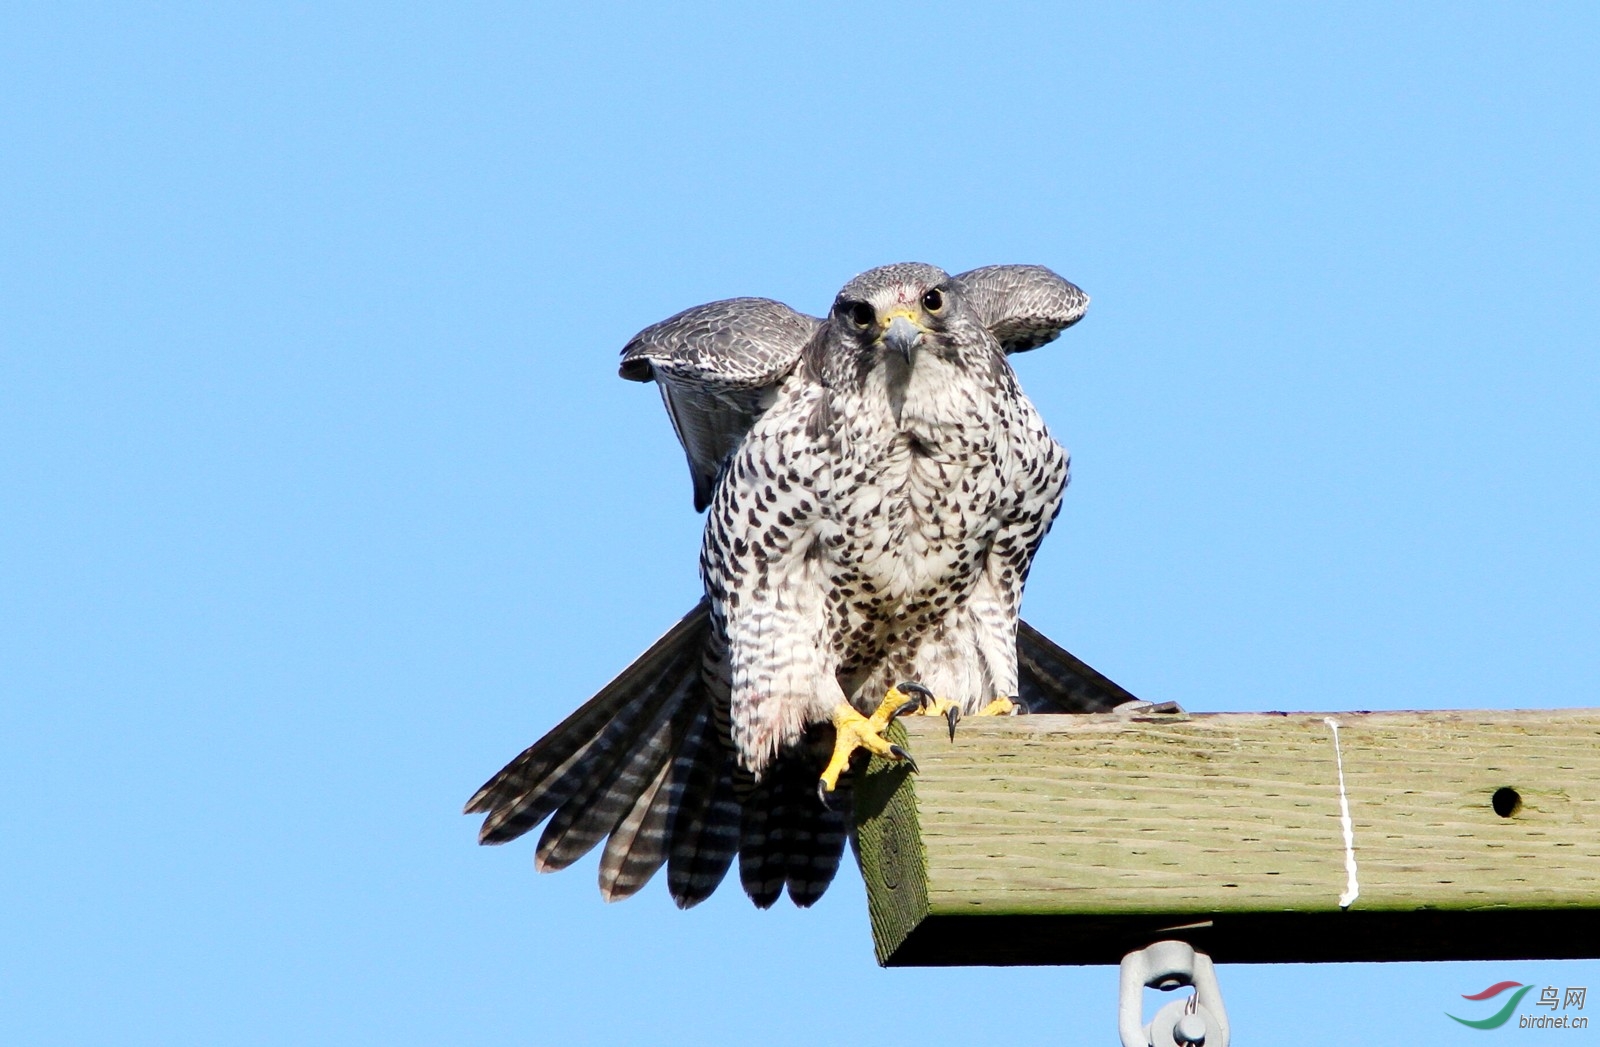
(1193, 1022)
(1142, 711)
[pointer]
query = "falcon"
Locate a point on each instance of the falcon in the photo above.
(876, 486)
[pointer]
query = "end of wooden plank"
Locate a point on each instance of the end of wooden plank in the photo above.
(889, 848)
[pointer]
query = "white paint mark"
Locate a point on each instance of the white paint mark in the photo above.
(1352, 890)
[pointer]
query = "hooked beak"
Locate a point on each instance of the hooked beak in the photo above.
(902, 336)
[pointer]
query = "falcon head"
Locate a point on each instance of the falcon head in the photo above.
(887, 317)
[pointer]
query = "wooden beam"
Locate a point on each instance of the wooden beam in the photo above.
(1072, 839)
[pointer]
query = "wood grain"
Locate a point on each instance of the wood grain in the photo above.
(1063, 839)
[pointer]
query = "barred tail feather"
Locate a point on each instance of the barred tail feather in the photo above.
(643, 840)
(788, 838)
(817, 836)
(530, 797)
(636, 848)
(615, 782)
(705, 829)
(621, 766)
(656, 830)
(512, 796)
(762, 868)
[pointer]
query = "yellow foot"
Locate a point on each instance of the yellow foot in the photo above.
(1001, 707)
(853, 731)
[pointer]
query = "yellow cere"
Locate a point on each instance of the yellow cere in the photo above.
(914, 315)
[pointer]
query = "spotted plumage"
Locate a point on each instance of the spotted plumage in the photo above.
(877, 486)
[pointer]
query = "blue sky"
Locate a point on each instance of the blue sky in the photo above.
(320, 499)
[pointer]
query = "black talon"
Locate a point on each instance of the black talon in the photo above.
(905, 756)
(915, 690)
(1017, 708)
(822, 794)
(953, 715)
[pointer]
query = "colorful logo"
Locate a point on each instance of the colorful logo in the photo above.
(1503, 1015)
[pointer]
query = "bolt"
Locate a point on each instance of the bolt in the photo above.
(1190, 1031)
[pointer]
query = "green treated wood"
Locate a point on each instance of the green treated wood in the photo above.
(1071, 839)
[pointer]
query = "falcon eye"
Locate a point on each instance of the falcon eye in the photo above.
(933, 301)
(861, 314)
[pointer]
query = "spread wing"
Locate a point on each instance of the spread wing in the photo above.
(718, 367)
(1023, 306)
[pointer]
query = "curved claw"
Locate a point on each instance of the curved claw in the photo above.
(902, 755)
(822, 794)
(952, 716)
(912, 689)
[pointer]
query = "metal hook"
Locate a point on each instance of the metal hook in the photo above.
(1198, 1021)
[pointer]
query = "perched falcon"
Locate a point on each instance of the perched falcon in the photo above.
(877, 486)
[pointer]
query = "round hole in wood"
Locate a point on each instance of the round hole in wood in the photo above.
(1506, 801)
